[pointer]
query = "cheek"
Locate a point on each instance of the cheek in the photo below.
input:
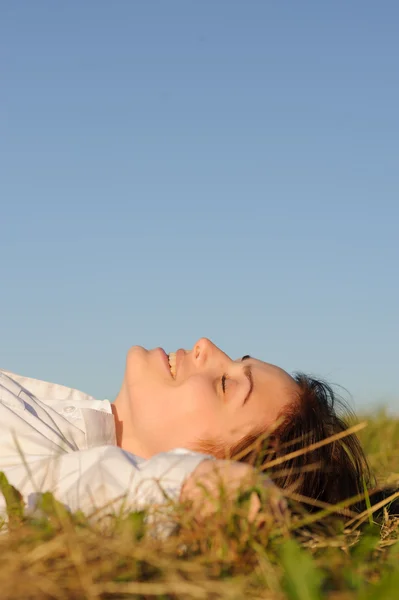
(199, 394)
(191, 407)
(197, 403)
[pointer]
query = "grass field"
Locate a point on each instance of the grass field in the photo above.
(59, 556)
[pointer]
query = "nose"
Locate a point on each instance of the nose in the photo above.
(205, 351)
(202, 350)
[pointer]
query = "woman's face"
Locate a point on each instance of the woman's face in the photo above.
(211, 397)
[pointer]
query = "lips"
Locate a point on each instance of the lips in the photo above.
(165, 360)
(173, 361)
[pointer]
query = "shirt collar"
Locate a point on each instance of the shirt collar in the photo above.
(100, 425)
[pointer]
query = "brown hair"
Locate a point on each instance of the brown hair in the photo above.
(328, 473)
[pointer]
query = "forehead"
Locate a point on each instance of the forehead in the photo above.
(274, 389)
(271, 375)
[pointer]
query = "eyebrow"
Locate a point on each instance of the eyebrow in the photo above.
(248, 375)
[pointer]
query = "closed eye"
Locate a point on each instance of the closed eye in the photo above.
(248, 375)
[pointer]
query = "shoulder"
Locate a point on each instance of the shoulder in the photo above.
(45, 391)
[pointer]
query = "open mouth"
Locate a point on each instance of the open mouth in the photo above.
(172, 363)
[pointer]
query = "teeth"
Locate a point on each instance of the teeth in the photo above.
(172, 363)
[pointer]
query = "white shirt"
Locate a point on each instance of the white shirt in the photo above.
(58, 439)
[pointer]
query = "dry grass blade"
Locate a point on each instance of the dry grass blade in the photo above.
(366, 513)
(54, 547)
(318, 504)
(325, 442)
(188, 590)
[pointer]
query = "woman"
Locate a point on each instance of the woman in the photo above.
(172, 414)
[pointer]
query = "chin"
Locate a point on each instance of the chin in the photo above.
(136, 349)
(135, 353)
(134, 362)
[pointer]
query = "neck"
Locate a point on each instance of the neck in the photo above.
(125, 437)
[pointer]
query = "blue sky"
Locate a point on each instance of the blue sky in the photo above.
(172, 170)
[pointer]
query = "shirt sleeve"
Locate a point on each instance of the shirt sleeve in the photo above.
(104, 478)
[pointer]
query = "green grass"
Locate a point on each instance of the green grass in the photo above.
(61, 556)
